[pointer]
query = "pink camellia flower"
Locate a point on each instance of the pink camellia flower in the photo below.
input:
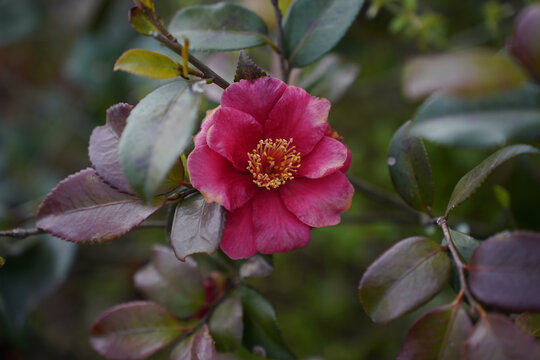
(268, 155)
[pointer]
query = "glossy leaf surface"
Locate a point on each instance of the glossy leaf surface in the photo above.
(260, 326)
(495, 337)
(313, 27)
(465, 244)
(471, 181)
(31, 274)
(438, 334)
(257, 266)
(84, 209)
(199, 346)
(134, 330)
(480, 121)
(219, 27)
(176, 285)
(158, 130)
(406, 276)
(246, 69)
(504, 271)
(410, 169)
(103, 148)
(226, 324)
(464, 72)
(149, 64)
(197, 227)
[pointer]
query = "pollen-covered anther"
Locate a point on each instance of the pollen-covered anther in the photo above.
(273, 162)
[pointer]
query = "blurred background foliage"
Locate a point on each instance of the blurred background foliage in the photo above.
(56, 81)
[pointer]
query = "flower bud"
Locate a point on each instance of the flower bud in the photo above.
(525, 44)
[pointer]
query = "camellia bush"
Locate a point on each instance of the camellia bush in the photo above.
(265, 167)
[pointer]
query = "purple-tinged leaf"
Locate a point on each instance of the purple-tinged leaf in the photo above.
(465, 72)
(176, 285)
(406, 276)
(84, 209)
(438, 334)
(261, 332)
(530, 322)
(495, 337)
(197, 227)
(471, 181)
(257, 266)
(504, 271)
(103, 149)
(246, 69)
(134, 330)
(226, 324)
(524, 44)
(199, 346)
(410, 170)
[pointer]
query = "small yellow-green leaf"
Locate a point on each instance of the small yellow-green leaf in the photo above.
(149, 4)
(502, 195)
(140, 22)
(148, 63)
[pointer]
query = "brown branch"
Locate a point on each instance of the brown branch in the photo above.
(165, 37)
(441, 222)
(285, 71)
(20, 233)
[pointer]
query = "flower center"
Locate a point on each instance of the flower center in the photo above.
(273, 162)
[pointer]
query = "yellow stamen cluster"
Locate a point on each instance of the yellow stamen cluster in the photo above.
(273, 162)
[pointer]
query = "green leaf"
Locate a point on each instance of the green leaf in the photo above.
(199, 346)
(410, 169)
(226, 324)
(406, 276)
(140, 22)
(219, 27)
(471, 181)
(28, 277)
(148, 63)
(480, 121)
(495, 337)
(530, 322)
(149, 4)
(468, 72)
(176, 285)
(197, 227)
(261, 331)
(465, 244)
(438, 334)
(502, 195)
(134, 330)
(246, 69)
(158, 130)
(313, 27)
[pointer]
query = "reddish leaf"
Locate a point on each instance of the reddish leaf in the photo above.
(176, 285)
(403, 278)
(134, 330)
(103, 149)
(246, 69)
(505, 271)
(84, 209)
(495, 337)
(199, 346)
(438, 334)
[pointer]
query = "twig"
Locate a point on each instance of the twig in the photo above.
(285, 71)
(441, 222)
(20, 233)
(165, 37)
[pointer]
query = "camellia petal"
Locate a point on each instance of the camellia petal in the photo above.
(238, 239)
(216, 178)
(348, 162)
(299, 116)
(230, 125)
(328, 156)
(276, 229)
(200, 138)
(256, 98)
(318, 202)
